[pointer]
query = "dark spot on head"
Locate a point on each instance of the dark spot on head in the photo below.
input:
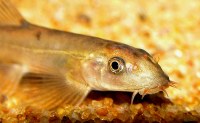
(38, 35)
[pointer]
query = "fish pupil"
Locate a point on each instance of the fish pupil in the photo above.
(115, 65)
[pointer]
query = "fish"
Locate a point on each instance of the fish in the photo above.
(49, 68)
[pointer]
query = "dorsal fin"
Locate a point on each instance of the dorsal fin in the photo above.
(9, 15)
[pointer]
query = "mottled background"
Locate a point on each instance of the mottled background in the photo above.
(170, 29)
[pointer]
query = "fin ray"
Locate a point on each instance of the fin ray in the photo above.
(10, 75)
(9, 15)
(51, 90)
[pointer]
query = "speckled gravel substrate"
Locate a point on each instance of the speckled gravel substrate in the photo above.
(109, 106)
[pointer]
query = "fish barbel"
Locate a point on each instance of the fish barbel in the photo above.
(49, 68)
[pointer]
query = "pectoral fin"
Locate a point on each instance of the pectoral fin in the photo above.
(10, 75)
(51, 90)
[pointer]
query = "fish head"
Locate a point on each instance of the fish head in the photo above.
(120, 67)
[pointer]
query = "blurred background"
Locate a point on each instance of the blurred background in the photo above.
(168, 29)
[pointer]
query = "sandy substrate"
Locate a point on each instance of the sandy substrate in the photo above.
(168, 29)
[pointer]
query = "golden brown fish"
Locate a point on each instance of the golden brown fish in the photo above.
(49, 68)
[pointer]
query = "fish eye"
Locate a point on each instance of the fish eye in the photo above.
(116, 65)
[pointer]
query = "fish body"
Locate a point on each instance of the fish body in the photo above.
(49, 68)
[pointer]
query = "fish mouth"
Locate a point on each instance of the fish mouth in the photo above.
(154, 90)
(158, 88)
